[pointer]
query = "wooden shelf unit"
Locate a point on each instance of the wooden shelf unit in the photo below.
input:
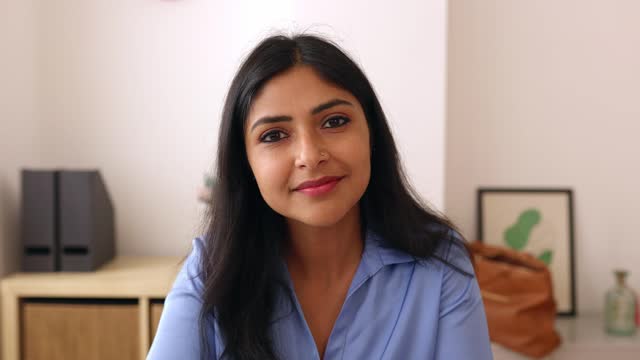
(80, 313)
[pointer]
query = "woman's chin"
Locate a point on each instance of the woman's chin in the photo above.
(319, 220)
(321, 216)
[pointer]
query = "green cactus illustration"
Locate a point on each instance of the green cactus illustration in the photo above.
(517, 235)
(546, 257)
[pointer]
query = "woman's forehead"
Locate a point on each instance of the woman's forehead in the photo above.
(298, 89)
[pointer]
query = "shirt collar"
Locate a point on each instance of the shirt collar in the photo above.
(387, 255)
(376, 254)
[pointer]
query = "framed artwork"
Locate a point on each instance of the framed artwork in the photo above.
(537, 221)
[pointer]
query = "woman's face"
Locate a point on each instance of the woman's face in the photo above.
(307, 142)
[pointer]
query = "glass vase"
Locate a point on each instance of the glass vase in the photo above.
(620, 307)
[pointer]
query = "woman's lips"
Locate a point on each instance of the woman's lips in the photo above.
(320, 186)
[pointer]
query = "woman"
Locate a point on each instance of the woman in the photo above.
(317, 248)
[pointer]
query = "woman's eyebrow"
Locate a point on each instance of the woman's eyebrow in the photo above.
(329, 104)
(315, 110)
(270, 119)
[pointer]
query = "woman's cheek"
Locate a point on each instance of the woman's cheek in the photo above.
(273, 173)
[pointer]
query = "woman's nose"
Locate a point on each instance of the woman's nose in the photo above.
(311, 151)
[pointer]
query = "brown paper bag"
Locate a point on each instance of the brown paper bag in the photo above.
(518, 299)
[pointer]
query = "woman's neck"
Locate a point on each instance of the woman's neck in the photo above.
(325, 254)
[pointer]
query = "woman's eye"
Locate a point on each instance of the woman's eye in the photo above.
(273, 136)
(335, 122)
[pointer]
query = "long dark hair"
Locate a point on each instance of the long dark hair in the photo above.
(243, 234)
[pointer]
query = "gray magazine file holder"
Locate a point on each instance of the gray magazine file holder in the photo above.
(39, 223)
(87, 236)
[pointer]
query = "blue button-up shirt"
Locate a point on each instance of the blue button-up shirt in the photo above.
(397, 307)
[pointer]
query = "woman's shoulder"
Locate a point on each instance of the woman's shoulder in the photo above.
(193, 258)
(197, 251)
(452, 252)
(189, 277)
(458, 284)
(449, 266)
(197, 244)
(177, 336)
(449, 252)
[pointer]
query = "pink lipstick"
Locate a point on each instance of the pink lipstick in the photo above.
(320, 186)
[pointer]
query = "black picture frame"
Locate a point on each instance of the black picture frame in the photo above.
(521, 207)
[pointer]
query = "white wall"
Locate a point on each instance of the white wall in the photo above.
(545, 93)
(19, 126)
(19, 129)
(135, 88)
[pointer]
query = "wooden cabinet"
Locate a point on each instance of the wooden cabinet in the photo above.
(112, 313)
(63, 330)
(156, 311)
